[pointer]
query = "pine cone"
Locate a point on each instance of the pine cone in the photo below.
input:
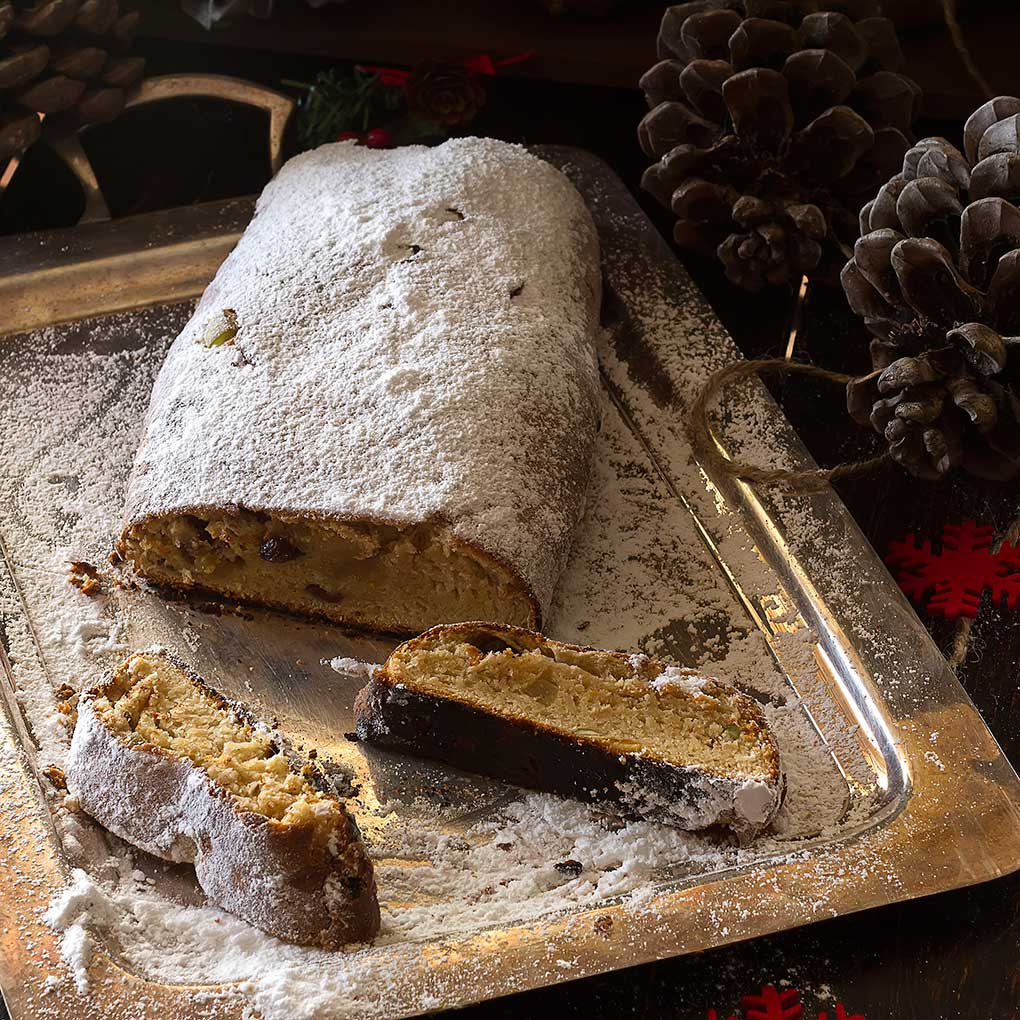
(936, 277)
(772, 122)
(444, 91)
(64, 59)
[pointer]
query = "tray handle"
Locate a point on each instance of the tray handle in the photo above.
(176, 86)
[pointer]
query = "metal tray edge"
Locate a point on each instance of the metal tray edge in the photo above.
(669, 924)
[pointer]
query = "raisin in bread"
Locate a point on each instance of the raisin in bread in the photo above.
(384, 408)
(166, 763)
(663, 743)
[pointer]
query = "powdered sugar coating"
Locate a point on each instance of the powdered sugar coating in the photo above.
(686, 680)
(148, 819)
(744, 805)
(415, 343)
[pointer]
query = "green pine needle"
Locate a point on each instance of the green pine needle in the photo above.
(342, 101)
(338, 101)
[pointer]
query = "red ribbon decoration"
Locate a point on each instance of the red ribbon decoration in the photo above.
(392, 77)
(480, 64)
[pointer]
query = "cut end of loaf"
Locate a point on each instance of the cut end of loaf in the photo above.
(359, 573)
(624, 704)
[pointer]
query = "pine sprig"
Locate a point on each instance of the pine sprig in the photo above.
(336, 102)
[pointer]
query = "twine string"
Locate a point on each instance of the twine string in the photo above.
(961, 643)
(810, 480)
(814, 479)
(956, 34)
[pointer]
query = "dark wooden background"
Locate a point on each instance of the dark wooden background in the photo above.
(952, 956)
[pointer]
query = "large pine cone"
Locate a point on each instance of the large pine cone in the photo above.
(65, 59)
(936, 277)
(772, 122)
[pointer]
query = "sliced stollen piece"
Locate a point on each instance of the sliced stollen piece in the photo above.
(662, 742)
(384, 408)
(168, 764)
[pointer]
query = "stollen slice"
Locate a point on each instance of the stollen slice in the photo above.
(663, 743)
(165, 762)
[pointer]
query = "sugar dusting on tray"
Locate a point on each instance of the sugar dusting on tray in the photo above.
(353, 667)
(640, 579)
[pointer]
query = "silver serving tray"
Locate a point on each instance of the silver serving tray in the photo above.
(905, 816)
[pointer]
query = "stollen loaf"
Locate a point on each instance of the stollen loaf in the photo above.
(383, 410)
(167, 763)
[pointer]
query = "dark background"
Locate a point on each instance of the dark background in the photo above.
(956, 955)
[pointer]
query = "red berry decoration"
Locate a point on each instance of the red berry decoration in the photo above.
(378, 138)
(348, 136)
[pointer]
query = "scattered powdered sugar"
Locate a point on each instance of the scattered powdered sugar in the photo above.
(76, 952)
(641, 578)
(78, 397)
(354, 667)
(506, 866)
(86, 638)
(673, 678)
(84, 902)
(509, 865)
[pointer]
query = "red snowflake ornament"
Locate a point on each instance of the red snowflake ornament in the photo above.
(953, 579)
(842, 1014)
(773, 1005)
(786, 1005)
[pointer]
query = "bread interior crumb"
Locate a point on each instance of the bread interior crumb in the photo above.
(593, 696)
(152, 703)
